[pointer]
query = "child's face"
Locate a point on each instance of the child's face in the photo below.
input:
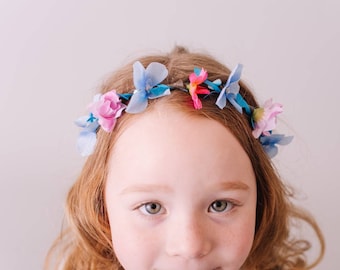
(180, 194)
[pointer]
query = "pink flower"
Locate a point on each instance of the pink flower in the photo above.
(265, 118)
(107, 108)
(196, 78)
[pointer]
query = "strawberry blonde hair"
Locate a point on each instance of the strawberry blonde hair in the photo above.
(86, 242)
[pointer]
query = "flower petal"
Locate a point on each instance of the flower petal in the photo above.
(202, 90)
(221, 101)
(280, 139)
(103, 109)
(87, 125)
(107, 124)
(197, 71)
(138, 102)
(155, 73)
(286, 140)
(235, 75)
(231, 87)
(271, 150)
(111, 96)
(92, 126)
(86, 143)
(82, 121)
(139, 75)
(269, 143)
(257, 132)
(197, 102)
(198, 76)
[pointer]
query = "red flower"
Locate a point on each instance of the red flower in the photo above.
(195, 88)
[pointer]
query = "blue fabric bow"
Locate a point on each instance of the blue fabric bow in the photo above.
(269, 143)
(147, 83)
(230, 92)
(88, 136)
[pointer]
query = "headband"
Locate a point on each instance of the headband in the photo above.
(107, 108)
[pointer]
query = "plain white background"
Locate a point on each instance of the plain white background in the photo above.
(54, 54)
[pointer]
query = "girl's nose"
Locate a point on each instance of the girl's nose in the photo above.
(189, 239)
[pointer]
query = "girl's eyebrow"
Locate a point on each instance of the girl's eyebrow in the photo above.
(146, 188)
(230, 185)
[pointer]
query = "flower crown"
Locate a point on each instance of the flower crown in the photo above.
(106, 108)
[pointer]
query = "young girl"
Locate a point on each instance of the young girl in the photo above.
(179, 175)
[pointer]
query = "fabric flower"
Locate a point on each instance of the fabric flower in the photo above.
(264, 119)
(88, 136)
(107, 108)
(147, 82)
(270, 142)
(231, 90)
(196, 78)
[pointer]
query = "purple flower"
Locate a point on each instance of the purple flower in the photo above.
(264, 119)
(107, 108)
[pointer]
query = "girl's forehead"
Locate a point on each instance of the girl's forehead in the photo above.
(170, 144)
(173, 130)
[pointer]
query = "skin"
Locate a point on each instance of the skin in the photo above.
(180, 194)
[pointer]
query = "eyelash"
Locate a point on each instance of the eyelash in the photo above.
(229, 206)
(144, 210)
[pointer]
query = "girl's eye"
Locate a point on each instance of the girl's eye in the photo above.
(220, 206)
(151, 208)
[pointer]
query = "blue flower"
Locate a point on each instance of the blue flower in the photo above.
(269, 143)
(230, 92)
(147, 83)
(88, 136)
